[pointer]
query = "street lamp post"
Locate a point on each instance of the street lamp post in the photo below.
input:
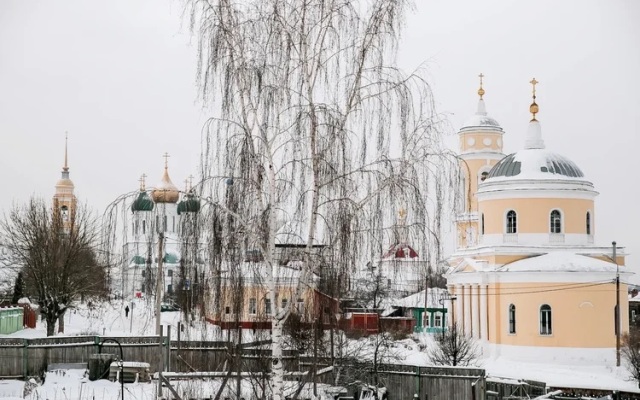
(121, 362)
(618, 321)
(445, 296)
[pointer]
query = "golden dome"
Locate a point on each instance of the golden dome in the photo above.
(65, 183)
(166, 191)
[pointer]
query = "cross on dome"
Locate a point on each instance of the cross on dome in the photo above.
(481, 90)
(166, 159)
(142, 181)
(533, 108)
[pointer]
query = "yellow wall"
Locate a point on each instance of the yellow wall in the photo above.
(478, 137)
(260, 293)
(573, 305)
(533, 214)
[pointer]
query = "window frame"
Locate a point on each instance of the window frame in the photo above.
(556, 225)
(546, 320)
(511, 224)
(512, 319)
(438, 319)
(268, 308)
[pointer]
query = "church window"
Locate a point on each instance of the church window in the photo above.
(253, 309)
(135, 227)
(173, 224)
(555, 223)
(545, 319)
(512, 222)
(484, 176)
(144, 227)
(164, 221)
(512, 318)
(588, 223)
(482, 224)
(65, 213)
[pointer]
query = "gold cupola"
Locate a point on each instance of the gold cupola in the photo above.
(165, 191)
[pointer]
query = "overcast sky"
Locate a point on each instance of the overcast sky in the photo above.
(119, 76)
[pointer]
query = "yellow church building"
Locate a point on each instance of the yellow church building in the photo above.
(529, 280)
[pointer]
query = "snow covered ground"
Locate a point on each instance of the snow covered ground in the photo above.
(109, 320)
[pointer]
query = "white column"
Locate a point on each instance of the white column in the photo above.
(475, 315)
(467, 310)
(484, 332)
(459, 302)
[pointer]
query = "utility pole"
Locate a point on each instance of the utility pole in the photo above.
(618, 324)
(159, 279)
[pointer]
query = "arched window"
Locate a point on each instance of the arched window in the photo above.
(555, 223)
(512, 318)
(545, 319)
(482, 224)
(588, 223)
(512, 222)
(65, 213)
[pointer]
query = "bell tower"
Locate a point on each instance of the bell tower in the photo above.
(64, 200)
(480, 149)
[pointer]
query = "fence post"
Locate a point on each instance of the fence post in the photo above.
(25, 358)
(168, 364)
(417, 395)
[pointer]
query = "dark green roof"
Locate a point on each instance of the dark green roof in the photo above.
(189, 204)
(142, 203)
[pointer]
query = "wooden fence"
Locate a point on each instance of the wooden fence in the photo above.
(21, 358)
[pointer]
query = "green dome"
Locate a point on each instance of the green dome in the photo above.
(190, 204)
(142, 203)
(138, 260)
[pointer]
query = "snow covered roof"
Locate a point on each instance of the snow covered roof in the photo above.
(560, 261)
(416, 300)
(535, 164)
(481, 120)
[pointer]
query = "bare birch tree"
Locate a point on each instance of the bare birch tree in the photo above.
(60, 266)
(322, 136)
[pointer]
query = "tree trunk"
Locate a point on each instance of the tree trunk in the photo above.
(51, 324)
(61, 322)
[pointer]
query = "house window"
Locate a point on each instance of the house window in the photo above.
(300, 306)
(227, 310)
(426, 321)
(267, 306)
(588, 223)
(482, 224)
(512, 222)
(555, 224)
(545, 320)
(437, 320)
(512, 318)
(253, 307)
